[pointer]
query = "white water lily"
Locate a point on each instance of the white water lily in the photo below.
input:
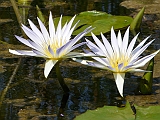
(119, 56)
(53, 45)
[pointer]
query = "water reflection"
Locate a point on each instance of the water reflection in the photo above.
(31, 96)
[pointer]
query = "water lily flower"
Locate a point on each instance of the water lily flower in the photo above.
(54, 45)
(119, 56)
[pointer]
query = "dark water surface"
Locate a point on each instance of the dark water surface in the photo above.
(31, 96)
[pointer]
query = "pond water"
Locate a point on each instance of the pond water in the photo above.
(30, 95)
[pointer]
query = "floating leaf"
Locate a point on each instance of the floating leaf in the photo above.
(109, 113)
(100, 20)
(147, 113)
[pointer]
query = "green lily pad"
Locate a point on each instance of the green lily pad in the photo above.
(109, 113)
(101, 21)
(148, 113)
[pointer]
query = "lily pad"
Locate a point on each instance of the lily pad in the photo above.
(101, 21)
(109, 113)
(148, 113)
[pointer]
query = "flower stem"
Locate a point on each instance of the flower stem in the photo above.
(60, 79)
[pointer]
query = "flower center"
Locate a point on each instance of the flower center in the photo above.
(53, 46)
(118, 63)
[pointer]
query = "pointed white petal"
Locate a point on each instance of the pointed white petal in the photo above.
(36, 46)
(114, 42)
(69, 44)
(90, 63)
(36, 30)
(141, 50)
(70, 32)
(44, 31)
(15, 52)
(85, 62)
(22, 52)
(76, 46)
(50, 50)
(131, 45)
(51, 27)
(48, 66)
(31, 34)
(125, 41)
(102, 61)
(119, 79)
(137, 70)
(24, 41)
(107, 45)
(119, 38)
(141, 62)
(99, 43)
(59, 30)
(39, 54)
(77, 54)
(94, 48)
(139, 46)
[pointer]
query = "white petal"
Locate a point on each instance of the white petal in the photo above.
(90, 63)
(107, 45)
(85, 62)
(71, 31)
(44, 31)
(77, 54)
(131, 45)
(22, 52)
(51, 28)
(32, 35)
(76, 46)
(141, 50)
(119, 38)
(94, 48)
(102, 61)
(67, 32)
(59, 30)
(125, 41)
(15, 52)
(99, 43)
(39, 54)
(36, 30)
(137, 70)
(48, 66)
(114, 42)
(36, 46)
(80, 35)
(24, 41)
(141, 62)
(139, 46)
(69, 45)
(50, 50)
(119, 79)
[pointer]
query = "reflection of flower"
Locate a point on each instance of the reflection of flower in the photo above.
(54, 45)
(119, 57)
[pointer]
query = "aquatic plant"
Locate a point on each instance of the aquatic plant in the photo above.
(54, 45)
(120, 57)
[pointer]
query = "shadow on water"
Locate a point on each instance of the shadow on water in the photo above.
(31, 96)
